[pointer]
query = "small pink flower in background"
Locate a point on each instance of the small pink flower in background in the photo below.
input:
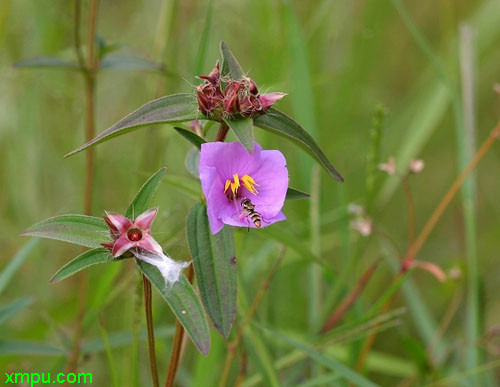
(219, 96)
(229, 175)
(416, 166)
(389, 166)
(128, 234)
(362, 225)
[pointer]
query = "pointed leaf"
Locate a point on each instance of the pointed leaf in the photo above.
(172, 108)
(47, 62)
(13, 266)
(10, 310)
(82, 230)
(278, 122)
(88, 258)
(294, 194)
(192, 162)
(339, 368)
(192, 137)
(230, 65)
(184, 303)
(243, 128)
(142, 200)
(214, 262)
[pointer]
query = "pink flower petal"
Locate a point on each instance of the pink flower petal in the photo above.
(145, 220)
(268, 99)
(121, 245)
(150, 244)
(121, 223)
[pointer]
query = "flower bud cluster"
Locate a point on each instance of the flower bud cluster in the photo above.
(222, 97)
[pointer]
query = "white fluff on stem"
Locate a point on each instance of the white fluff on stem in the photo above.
(170, 270)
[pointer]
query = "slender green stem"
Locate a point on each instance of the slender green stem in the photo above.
(148, 308)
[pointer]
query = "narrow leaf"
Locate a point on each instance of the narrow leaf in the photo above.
(243, 128)
(143, 198)
(17, 347)
(88, 258)
(122, 62)
(192, 137)
(47, 62)
(10, 310)
(82, 230)
(215, 267)
(230, 65)
(294, 194)
(16, 262)
(278, 122)
(327, 362)
(192, 162)
(172, 108)
(184, 303)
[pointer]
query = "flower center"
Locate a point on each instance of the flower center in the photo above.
(134, 235)
(232, 188)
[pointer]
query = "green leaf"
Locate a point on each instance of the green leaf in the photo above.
(47, 62)
(169, 109)
(88, 258)
(13, 266)
(230, 65)
(294, 194)
(327, 362)
(184, 303)
(243, 128)
(192, 137)
(11, 309)
(192, 162)
(17, 347)
(215, 267)
(122, 62)
(143, 198)
(278, 122)
(82, 230)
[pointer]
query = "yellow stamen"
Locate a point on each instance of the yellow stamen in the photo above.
(249, 184)
(247, 181)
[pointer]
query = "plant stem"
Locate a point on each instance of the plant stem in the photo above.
(88, 71)
(148, 295)
(175, 358)
(222, 133)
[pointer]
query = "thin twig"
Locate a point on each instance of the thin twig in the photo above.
(148, 308)
(175, 358)
(231, 348)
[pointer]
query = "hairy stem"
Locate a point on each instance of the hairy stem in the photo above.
(177, 348)
(88, 70)
(148, 308)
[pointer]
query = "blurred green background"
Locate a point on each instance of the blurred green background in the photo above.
(337, 60)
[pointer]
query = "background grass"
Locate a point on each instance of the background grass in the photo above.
(337, 61)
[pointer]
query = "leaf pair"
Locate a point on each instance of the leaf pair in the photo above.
(184, 107)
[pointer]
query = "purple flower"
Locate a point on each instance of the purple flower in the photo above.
(128, 233)
(242, 189)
